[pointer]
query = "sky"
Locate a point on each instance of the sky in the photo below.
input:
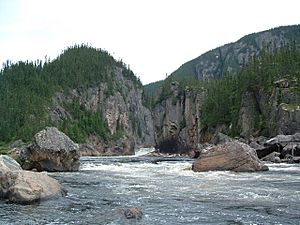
(154, 37)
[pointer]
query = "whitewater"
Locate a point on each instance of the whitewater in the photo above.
(167, 192)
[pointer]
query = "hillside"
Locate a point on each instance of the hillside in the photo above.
(231, 57)
(263, 98)
(85, 92)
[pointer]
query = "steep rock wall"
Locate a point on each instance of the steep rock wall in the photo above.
(277, 112)
(122, 109)
(176, 121)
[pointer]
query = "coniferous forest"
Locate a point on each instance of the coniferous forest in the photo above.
(224, 95)
(27, 88)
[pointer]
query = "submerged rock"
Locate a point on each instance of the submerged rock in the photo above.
(25, 187)
(235, 156)
(51, 150)
(133, 213)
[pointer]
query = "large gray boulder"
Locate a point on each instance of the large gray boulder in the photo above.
(25, 187)
(51, 150)
(28, 187)
(235, 156)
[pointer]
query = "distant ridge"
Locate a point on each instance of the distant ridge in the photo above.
(231, 57)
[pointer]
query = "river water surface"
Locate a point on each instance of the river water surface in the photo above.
(167, 192)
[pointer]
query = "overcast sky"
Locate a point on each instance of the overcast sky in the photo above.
(154, 37)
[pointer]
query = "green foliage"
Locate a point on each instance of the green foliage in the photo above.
(224, 96)
(3, 150)
(27, 88)
(82, 123)
(22, 101)
(120, 133)
(223, 100)
(151, 92)
(228, 57)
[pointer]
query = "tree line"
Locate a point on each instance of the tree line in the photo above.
(27, 88)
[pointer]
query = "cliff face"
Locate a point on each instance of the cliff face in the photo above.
(84, 92)
(122, 110)
(279, 110)
(264, 101)
(176, 121)
(231, 57)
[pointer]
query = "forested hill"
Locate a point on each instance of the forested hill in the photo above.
(58, 93)
(231, 57)
(263, 99)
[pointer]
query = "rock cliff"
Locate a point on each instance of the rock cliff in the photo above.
(193, 103)
(278, 109)
(123, 111)
(84, 92)
(176, 120)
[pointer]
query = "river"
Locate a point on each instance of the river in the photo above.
(167, 192)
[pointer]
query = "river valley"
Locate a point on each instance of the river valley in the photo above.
(167, 192)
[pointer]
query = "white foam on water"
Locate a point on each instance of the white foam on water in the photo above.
(284, 167)
(143, 151)
(116, 167)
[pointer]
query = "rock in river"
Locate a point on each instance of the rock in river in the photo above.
(51, 150)
(25, 187)
(235, 156)
(133, 213)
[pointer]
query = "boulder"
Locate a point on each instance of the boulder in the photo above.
(290, 159)
(273, 157)
(51, 150)
(235, 156)
(292, 149)
(268, 149)
(133, 213)
(280, 139)
(25, 187)
(28, 187)
(283, 144)
(8, 164)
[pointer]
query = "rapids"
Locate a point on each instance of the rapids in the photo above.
(167, 192)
